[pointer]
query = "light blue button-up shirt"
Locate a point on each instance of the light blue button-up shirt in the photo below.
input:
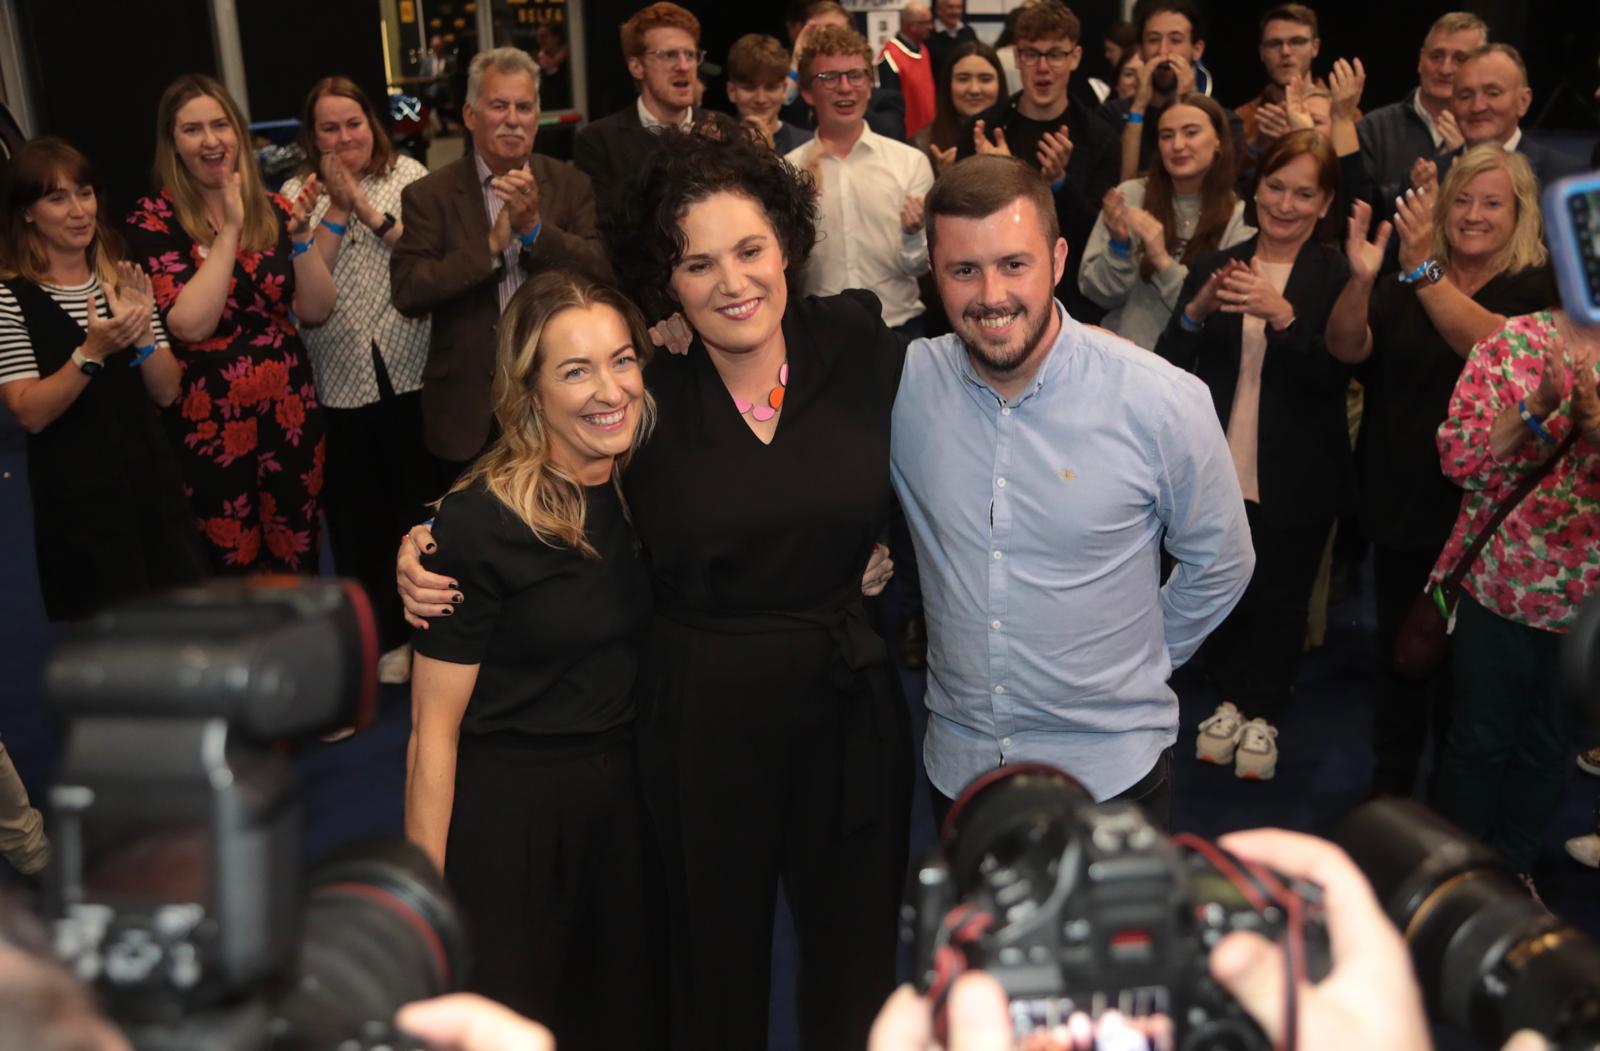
(1038, 523)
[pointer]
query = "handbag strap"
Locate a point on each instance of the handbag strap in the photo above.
(1451, 584)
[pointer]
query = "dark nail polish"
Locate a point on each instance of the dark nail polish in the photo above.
(446, 611)
(430, 548)
(456, 598)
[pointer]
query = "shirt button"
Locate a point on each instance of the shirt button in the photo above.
(1006, 411)
(995, 624)
(999, 689)
(1000, 483)
(998, 556)
(1005, 742)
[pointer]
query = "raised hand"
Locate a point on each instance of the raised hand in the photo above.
(1184, 69)
(761, 129)
(233, 202)
(911, 214)
(1055, 150)
(341, 185)
(1114, 206)
(1581, 344)
(1272, 122)
(1294, 104)
(1413, 221)
(1450, 132)
(981, 143)
(1425, 174)
(1152, 235)
(301, 207)
(1366, 257)
(1546, 397)
(1246, 290)
(942, 159)
(1346, 80)
(1144, 71)
(105, 336)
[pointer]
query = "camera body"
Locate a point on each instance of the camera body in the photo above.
(1080, 908)
(178, 888)
(1572, 220)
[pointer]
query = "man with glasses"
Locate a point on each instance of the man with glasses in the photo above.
(1061, 137)
(1393, 137)
(661, 44)
(1289, 42)
(871, 188)
(906, 66)
(886, 110)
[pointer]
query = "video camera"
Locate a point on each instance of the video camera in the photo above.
(177, 886)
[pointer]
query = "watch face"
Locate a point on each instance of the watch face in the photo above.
(1434, 273)
(91, 367)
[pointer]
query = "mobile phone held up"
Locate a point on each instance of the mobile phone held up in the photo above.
(1572, 224)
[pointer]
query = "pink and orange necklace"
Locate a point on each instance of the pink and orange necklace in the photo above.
(774, 400)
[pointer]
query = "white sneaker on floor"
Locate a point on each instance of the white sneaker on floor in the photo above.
(1585, 850)
(1257, 756)
(1219, 735)
(394, 667)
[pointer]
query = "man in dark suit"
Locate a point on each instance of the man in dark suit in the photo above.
(661, 44)
(948, 32)
(1491, 97)
(473, 230)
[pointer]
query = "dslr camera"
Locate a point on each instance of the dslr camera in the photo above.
(177, 888)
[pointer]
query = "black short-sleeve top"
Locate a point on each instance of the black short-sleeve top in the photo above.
(556, 633)
(1406, 501)
(735, 526)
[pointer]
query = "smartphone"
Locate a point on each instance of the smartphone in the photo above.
(1572, 227)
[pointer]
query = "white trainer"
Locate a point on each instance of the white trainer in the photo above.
(1257, 755)
(1219, 735)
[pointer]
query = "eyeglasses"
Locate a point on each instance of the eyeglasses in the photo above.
(673, 56)
(830, 78)
(1055, 57)
(1277, 43)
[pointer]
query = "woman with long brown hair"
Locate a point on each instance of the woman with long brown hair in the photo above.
(367, 358)
(1152, 228)
(228, 261)
(969, 83)
(83, 363)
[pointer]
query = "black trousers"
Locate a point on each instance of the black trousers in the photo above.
(1404, 708)
(544, 857)
(379, 480)
(1254, 655)
(1153, 792)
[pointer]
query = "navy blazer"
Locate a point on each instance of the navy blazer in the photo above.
(1303, 459)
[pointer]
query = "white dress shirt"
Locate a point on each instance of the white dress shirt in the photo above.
(860, 243)
(648, 119)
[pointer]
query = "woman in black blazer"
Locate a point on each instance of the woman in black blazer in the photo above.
(1250, 323)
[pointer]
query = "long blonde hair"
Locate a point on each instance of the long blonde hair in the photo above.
(1526, 247)
(518, 467)
(260, 222)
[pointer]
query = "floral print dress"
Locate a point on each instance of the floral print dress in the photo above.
(247, 426)
(1544, 560)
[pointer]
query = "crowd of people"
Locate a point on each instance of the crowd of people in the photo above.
(674, 412)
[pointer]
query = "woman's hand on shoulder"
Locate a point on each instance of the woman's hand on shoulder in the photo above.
(673, 334)
(880, 567)
(423, 594)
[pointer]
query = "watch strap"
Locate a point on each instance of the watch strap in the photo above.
(86, 365)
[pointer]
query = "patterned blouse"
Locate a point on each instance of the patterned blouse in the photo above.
(1545, 558)
(341, 347)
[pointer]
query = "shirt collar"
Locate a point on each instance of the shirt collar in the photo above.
(942, 28)
(484, 172)
(648, 119)
(868, 139)
(1515, 141)
(1060, 352)
(1427, 118)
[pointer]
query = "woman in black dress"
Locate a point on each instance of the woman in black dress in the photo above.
(1468, 261)
(773, 745)
(83, 366)
(520, 779)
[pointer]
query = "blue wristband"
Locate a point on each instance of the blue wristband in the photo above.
(531, 236)
(794, 75)
(140, 354)
(300, 248)
(1187, 323)
(1535, 424)
(1121, 249)
(337, 229)
(1134, 118)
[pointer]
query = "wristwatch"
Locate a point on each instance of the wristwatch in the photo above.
(86, 365)
(1428, 268)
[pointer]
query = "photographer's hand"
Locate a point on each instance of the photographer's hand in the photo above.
(464, 1022)
(976, 1013)
(1370, 997)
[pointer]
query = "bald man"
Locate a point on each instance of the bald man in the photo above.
(1490, 98)
(905, 65)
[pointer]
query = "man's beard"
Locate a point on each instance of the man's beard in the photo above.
(1002, 361)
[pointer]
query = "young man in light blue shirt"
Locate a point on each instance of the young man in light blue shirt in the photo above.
(1043, 465)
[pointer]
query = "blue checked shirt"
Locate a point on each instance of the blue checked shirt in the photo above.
(1038, 525)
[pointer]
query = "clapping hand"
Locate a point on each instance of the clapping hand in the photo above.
(1114, 207)
(1453, 138)
(1424, 175)
(1272, 122)
(1246, 290)
(233, 202)
(1209, 298)
(520, 192)
(942, 159)
(1580, 351)
(1366, 257)
(1152, 235)
(301, 207)
(344, 190)
(1413, 221)
(911, 214)
(760, 129)
(107, 335)
(135, 295)
(1346, 80)
(981, 143)
(1294, 104)
(1055, 150)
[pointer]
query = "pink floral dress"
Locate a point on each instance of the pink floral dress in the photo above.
(247, 426)
(1545, 558)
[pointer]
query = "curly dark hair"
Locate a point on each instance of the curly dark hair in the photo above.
(643, 236)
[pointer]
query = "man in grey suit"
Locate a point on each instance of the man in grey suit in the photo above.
(474, 229)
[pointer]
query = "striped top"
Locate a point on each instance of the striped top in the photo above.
(17, 360)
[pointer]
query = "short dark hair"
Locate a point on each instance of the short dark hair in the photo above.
(643, 236)
(1123, 34)
(1047, 20)
(1285, 149)
(756, 58)
(1146, 9)
(979, 186)
(1300, 14)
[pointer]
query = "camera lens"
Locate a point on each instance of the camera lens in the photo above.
(1489, 958)
(380, 931)
(1010, 815)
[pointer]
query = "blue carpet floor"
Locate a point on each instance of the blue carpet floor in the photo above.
(353, 789)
